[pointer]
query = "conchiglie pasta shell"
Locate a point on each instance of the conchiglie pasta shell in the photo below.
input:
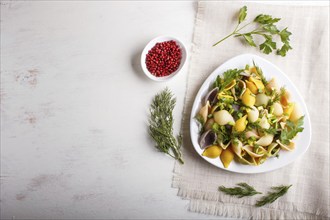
(237, 145)
(251, 133)
(258, 83)
(253, 114)
(278, 110)
(230, 85)
(226, 157)
(212, 151)
(240, 124)
(253, 69)
(265, 140)
(285, 99)
(224, 146)
(271, 147)
(272, 84)
(248, 98)
(245, 161)
(253, 88)
(248, 149)
(296, 113)
(289, 147)
(261, 99)
(223, 117)
(264, 123)
(242, 84)
(288, 110)
(204, 111)
(209, 123)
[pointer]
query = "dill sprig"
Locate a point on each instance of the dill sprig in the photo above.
(161, 125)
(243, 189)
(277, 192)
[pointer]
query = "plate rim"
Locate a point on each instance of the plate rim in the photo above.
(216, 72)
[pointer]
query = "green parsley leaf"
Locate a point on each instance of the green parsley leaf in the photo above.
(267, 46)
(229, 76)
(285, 38)
(271, 29)
(285, 35)
(291, 130)
(248, 38)
(242, 14)
(285, 48)
(266, 19)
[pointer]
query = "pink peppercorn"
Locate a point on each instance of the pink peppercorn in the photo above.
(164, 58)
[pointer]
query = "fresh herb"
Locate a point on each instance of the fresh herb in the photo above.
(275, 97)
(200, 119)
(291, 130)
(266, 29)
(270, 131)
(223, 133)
(255, 125)
(277, 192)
(228, 77)
(161, 125)
(201, 122)
(260, 74)
(243, 189)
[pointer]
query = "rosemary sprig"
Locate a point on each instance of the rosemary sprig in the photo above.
(161, 125)
(277, 192)
(243, 189)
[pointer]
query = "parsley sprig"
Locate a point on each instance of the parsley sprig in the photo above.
(266, 29)
(291, 130)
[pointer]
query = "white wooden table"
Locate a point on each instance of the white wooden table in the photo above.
(74, 110)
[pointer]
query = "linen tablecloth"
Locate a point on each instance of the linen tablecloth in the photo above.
(307, 65)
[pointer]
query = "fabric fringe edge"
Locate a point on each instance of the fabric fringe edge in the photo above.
(234, 211)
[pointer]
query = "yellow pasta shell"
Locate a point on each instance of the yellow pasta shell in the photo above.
(230, 85)
(212, 151)
(258, 83)
(248, 98)
(288, 110)
(226, 157)
(285, 99)
(253, 88)
(296, 113)
(253, 70)
(240, 124)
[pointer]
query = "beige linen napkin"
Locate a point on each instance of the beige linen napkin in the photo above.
(307, 65)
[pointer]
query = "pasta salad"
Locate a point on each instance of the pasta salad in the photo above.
(247, 118)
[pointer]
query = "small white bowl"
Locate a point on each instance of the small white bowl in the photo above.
(150, 45)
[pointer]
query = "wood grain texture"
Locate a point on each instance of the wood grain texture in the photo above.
(74, 109)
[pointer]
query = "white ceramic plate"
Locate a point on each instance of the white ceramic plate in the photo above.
(302, 140)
